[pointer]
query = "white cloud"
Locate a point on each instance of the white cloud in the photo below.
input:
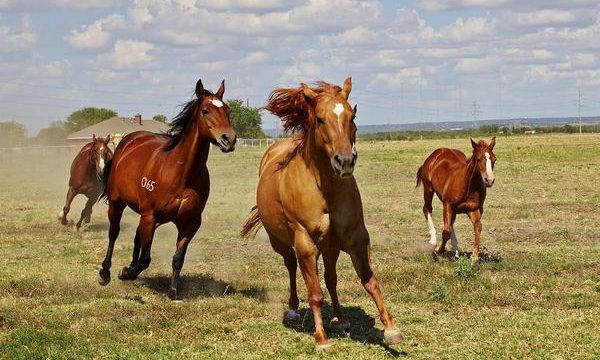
(96, 35)
(12, 40)
(546, 17)
(128, 54)
(477, 65)
(440, 5)
(412, 76)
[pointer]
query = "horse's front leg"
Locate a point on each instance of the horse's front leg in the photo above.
(86, 213)
(62, 216)
(307, 254)
(186, 232)
(330, 257)
(360, 249)
(145, 231)
(475, 217)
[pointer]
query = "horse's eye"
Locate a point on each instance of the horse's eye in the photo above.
(205, 111)
(320, 121)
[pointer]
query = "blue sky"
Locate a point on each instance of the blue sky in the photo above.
(411, 61)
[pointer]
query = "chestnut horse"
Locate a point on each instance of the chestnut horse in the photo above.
(164, 178)
(308, 200)
(461, 184)
(86, 177)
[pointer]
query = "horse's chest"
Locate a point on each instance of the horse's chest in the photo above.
(472, 202)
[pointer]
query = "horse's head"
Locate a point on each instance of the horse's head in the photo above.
(485, 159)
(213, 116)
(99, 152)
(116, 139)
(334, 128)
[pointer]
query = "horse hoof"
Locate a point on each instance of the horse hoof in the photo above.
(174, 296)
(340, 325)
(392, 337)
(325, 347)
(125, 275)
(291, 316)
(104, 277)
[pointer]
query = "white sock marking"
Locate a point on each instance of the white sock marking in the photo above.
(217, 103)
(454, 242)
(432, 233)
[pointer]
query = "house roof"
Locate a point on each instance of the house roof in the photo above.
(118, 125)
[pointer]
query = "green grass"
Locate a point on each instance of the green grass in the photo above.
(536, 296)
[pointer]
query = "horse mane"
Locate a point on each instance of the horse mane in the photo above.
(179, 124)
(297, 112)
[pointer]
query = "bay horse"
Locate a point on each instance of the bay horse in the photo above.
(86, 177)
(164, 178)
(461, 184)
(309, 203)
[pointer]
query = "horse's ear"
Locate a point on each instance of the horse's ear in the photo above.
(94, 137)
(473, 143)
(221, 90)
(199, 89)
(354, 109)
(107, 140)
(308, 92)
(493, 143)
(347, 87)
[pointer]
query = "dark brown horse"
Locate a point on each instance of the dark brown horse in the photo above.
(308, 200)
(461, 184)
(86, 177)
(164, 178)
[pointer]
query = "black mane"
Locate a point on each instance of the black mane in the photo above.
(180, 122)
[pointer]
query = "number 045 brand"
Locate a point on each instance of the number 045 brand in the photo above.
(147, 184)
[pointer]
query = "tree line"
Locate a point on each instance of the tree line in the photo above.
(245, 120)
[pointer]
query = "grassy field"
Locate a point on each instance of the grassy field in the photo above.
(538, 296)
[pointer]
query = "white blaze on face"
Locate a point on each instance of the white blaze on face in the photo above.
(217, 103)
(432, 233)
(489, 173)
(338, 110)
(100, 158)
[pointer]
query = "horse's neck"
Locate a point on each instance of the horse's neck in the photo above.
(470, 178)
(190, 154)
(317, 162)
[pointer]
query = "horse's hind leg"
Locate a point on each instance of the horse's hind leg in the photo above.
(360, 254)
(427, 210)
(146, 229)
(115, 211)
(291, 263)
(185, 235)
(330, 258)
(447, 231)
(86, 213)
(62, 216)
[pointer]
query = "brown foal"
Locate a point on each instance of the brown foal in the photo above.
(86, 177)
(461, 184)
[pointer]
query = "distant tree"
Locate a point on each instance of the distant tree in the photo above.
(489, 129)
(245, 120)
(12, 134)
(55, 134)
(88, 116)
(160, 118)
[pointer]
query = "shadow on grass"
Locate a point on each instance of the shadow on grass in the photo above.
(201, 286)
(485, 256)
(362, 327)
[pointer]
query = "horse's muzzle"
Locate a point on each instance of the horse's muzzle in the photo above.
(343, 165)
(226, 142)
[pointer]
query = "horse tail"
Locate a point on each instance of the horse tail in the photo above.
(105, 175)
(419, 179)
(253, 223)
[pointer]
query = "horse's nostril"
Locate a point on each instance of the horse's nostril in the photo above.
(337, 159)
(225, 138)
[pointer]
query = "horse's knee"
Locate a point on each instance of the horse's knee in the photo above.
(316, 300)
(446, 234)
(427, 210)
(113, 231)
(178, 260)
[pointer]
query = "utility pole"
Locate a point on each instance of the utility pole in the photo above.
(579, 107)
(475, 111)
